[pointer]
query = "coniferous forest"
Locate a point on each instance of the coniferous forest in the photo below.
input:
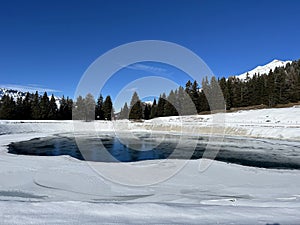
(281, 86)
(37, 107)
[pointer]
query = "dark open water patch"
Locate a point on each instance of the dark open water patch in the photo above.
(19, 194)
(248, 152)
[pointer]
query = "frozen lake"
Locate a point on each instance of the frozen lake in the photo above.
(66, 189)
(265, 153)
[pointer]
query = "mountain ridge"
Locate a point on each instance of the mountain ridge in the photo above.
(263, 69)
(15, 94)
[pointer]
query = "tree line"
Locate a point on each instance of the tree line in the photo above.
(37, 107)
(87, 109)
(281, 86)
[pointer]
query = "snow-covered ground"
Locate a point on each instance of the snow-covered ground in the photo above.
(274, 123)
(63, 190)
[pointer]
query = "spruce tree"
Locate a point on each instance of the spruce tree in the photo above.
(147, 112)
(7, 109)
(26, 107)
(79, 109)
(136, 110)
(44, 107)
(124, 112)
(52, 108)
(89, 103)
(62, 111)
(99, 113)
(194, 94)
(35, 107)
(19, 109)
(161, 105)
(153, 112)
(108, 108)
(68, 112)
(169, 108)
(180, 98)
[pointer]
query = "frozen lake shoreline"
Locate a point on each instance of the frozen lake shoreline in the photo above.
(279, 124)
(63, 190)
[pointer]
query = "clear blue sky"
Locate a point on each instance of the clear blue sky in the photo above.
(49, 44)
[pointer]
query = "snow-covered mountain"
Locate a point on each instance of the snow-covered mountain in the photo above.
(11, 93)
(263, 69)
(17, 94)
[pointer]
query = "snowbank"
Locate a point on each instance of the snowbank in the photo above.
(283, 123)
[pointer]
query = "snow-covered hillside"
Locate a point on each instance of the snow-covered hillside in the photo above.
(20, 94)
(263, 69)
(11, 93)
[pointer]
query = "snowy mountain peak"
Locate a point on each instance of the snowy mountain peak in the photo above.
(11, 93)
(15, 94)
(265, 69)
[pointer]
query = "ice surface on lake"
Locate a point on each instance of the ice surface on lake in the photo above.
(244, 151)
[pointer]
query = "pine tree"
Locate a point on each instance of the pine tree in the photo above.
(79, 109)
(26, 107)
(136, 110)
(44, 107)
(134, 99)
(270, 86)
(161, 105)
(99, 113)
(147, 112)
(188, 104)
(188, 87)
(89, 103)
(217, 99)
(63, 108)
(35, 107)
(19, 110)
(124, 112)
(68, 112)
(7, 109)
(169, 108)
(52, 108)
(226, 89)
(194, 94)
(108, 108)
(153, 112)
(203, 96)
